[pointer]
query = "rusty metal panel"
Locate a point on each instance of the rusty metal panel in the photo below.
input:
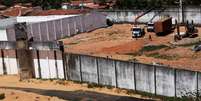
(163, 26)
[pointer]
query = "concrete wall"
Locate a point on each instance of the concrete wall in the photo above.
(186, 82)
(165, 81)
(125, 75)
(153, 79)
(106, 68)
(145, 78)
(73, 67)
(89, 69)
(190, 13)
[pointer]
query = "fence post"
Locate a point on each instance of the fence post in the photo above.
(80, 68)
(197, 86)
(175, 82)
(155, 80)
(134, 75)
(56, 65)
(39, 67)
(3, 63)
(98, 79)
(16, 55)
(64, 65)
(67, 66)
(116, 79)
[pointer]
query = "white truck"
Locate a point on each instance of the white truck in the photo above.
(137, 32)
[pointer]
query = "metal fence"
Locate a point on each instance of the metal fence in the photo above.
(66, 27)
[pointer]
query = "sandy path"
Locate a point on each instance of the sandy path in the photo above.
(38, 90)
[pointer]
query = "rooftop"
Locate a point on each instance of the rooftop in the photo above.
(9, 22)
(16, 10)
(58, 12)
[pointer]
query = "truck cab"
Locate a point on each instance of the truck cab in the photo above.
(150, 27)
(137, 32)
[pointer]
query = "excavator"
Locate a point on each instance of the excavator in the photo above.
(190, 31)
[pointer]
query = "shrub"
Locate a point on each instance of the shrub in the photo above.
(152, 48)
(2, 96)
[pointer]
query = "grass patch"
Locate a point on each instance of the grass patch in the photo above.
(153, 48)
(160, 56)
(190, 44)
(74, 43)
(2, 96)
(94, 85)
(148, 49)
(134, 54)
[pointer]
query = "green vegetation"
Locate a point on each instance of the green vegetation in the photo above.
(120, 4)
(143, 4)
(153, 48)
(190, 44)
(49, 4)
(2, 96)
(161, 56)
(45, 4)
(7, 2)
(148, 49)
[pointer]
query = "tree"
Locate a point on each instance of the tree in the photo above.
(145, 4)
(8, 2)
(49, 4)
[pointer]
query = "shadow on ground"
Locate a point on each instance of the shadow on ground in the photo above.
(77, 95)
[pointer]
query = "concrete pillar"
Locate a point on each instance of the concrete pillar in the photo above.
(25, 60)
(25, 64)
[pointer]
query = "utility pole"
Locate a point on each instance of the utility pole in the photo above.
(82, 5)
(181, 11)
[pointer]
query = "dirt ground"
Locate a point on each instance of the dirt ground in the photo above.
(55, 90)
(116, 42)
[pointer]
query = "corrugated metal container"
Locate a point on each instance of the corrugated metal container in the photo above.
(163, 26)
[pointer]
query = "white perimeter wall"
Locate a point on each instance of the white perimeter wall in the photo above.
(3, 35)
